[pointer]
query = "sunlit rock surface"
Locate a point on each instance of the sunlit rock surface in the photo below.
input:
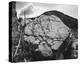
(44, 37)
(49, 29)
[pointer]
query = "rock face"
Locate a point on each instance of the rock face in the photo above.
(46, 27)
(42, 36)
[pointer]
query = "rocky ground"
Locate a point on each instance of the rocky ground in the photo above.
(42, 38)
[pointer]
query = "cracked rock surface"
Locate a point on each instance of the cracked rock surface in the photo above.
(41, 36)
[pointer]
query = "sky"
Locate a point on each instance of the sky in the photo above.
(35, 9)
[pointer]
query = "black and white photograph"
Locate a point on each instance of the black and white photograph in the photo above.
(42, 31)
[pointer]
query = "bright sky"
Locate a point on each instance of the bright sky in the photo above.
(35, 9)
